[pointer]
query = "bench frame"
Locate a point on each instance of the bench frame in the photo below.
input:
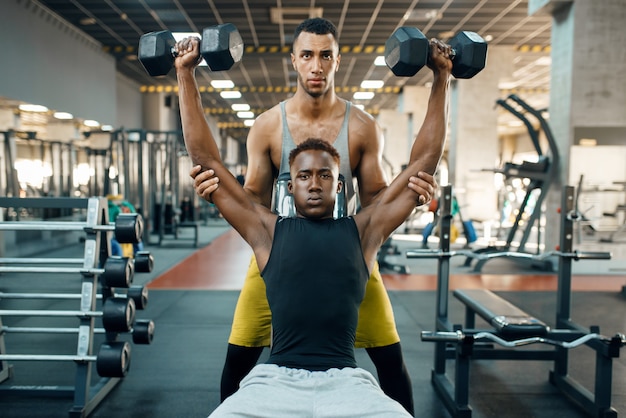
(455, 393)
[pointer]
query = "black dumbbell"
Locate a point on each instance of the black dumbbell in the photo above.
(407, 51)
(221, 47)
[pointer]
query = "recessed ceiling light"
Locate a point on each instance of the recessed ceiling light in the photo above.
(380, 61)
(33, 108)
(363, 95)
(230, 94)
(239, 107)
(222, 84)
(248, 122)
(86, 21)
(588, 142)
(63, 115)
(245, 115)
(372, 84)
(544, 61)
(91, 123)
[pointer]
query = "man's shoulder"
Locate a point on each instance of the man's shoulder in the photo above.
(358, 115)
(270, 115)
(266, 126)
(362, 126)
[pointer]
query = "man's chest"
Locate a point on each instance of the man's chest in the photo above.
(335, 135)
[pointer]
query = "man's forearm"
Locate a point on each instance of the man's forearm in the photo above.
(429, 142)
(199, 140)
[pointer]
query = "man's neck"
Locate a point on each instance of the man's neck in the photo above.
(309, 107)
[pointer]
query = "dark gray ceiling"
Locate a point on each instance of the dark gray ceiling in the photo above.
(266, 77)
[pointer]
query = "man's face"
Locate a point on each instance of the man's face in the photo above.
(316, 60)
(314, 184)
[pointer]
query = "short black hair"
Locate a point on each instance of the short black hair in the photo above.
(315, 144)
(317, 26)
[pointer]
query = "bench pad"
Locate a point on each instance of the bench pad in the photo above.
(505, 317)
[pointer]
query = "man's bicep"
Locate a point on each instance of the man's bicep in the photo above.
(370, 174)
(260, 173)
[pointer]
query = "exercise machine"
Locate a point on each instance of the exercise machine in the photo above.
(540, 174)
(511, 327)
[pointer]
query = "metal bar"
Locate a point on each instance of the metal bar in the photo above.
(46, 330)
(64, 270)
(443, 275)
(53, 295)
(43, 202)
(52, 226)
(445, 389)
(97, 393)
(459, 336)
(79, 314)
(41, 260)
(46, 357)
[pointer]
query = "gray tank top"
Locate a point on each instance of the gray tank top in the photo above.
(341, 144)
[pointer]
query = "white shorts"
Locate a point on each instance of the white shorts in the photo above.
(273, 391)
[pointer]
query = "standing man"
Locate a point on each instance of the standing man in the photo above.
(316, 111)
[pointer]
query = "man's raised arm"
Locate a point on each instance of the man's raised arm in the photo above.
(397, 201)
(248, 218)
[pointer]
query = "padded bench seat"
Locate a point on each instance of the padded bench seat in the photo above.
(505, 317)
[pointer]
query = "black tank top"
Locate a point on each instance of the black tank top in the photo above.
(315, 281)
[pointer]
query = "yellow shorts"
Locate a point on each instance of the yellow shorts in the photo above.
(252, 321)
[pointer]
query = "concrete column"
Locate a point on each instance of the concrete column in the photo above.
(159, 112)
(473, 137)
(400, 126)
(588, 85)
(396, 131)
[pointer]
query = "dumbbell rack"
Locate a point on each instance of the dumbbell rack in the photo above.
(87, 392)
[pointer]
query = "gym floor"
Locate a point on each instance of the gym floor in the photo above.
(193, 292)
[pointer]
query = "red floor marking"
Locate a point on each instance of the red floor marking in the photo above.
(222, 265)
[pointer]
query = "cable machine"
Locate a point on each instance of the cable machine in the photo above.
(540, 174)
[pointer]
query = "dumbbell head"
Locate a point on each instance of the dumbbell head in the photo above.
(221, 46)
(470, 54)
(406, 51)
(155, 52)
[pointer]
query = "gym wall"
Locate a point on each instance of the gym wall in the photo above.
(46, 62)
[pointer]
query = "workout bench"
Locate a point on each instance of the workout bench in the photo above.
(511, 327)
(506, 318)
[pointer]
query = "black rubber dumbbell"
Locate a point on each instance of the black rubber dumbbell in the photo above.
(407, 51)
(221, 47)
